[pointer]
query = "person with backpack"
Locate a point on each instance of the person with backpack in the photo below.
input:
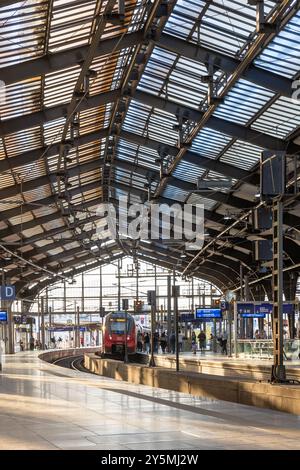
(202, 340)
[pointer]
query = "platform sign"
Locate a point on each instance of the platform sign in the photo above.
(208, 313)
(288, 308)
(253, 315)
(187, 317)
(263, 308)
(245, 308)
(7, 293)
(224, 305)
(65, 328)
(3, 315)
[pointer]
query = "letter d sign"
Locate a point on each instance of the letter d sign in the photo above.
(8, 293)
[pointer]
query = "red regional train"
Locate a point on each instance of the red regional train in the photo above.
(114, 333)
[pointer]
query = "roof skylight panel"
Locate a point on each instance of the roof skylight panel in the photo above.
(71, 24)
(242, 102)
(183, 17)
(280, 119)
(22, 31)
(53, 131)
(210, 143)
(187, 171)
(23, 141)
(195, 198)
(175, 193)
(242, 155)
(282, 56)
(38, 193)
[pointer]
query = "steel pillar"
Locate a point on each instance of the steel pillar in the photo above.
(42, 323)
(169, 323)
(278, 368)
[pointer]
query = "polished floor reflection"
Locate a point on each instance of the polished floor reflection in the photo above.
(43, 406)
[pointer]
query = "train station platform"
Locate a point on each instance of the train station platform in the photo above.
(44, 406)
(218, 364)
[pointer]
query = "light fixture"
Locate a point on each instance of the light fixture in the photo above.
(227, 216)
(183, 255)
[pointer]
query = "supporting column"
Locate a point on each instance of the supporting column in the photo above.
(65, 297)
(175, 294)
(82, 292)
(10, 329)
(77, 342)
(152, 302)
(235, 322)
(169, 324)
(289, 287)
(278, 368)
(119, 285)
(38, 320)
(229, 316)
(42, 323)
(137, 283)
(248, 321)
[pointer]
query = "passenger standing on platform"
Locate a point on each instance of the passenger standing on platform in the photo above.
(147, 343)
(155, 341)
(211, 342)
(163, 342)
(172, 342)
(21, 345)
(180, 340)
(31, 343)
(202, 339)
(139, 343)
(193, 336)
(224, 342)
(194, 346)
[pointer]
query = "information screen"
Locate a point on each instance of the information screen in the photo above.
(253, 315)
(208, 313)
(3, 315)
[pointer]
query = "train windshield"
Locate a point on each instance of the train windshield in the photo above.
(117, 325)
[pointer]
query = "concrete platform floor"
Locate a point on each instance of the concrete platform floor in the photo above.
(210, 356)
(43, 406)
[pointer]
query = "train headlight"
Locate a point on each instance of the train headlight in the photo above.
(110, 337)
(128, 337)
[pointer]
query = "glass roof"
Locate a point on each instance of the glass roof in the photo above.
(95, 108)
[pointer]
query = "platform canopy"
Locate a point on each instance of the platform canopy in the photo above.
(104, 98)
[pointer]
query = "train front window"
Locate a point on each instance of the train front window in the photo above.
(117, 327)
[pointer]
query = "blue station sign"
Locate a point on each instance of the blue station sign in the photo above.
(187, 317)
(261, 309)
(3, 315)
(253, 315)
(7, 293)
(208, 313)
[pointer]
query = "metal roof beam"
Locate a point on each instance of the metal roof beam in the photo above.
(229, 128)
(33, 292)
(50, 151)
(69, 58)
(261, 77)
(55, 258)
(189, 156)
(55, 112)
(47, 201)
(192, 157)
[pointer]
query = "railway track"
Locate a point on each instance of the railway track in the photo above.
(76, 362)
(137, 358)
(71, 362)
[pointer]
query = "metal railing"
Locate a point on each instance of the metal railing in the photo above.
(263, 349)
